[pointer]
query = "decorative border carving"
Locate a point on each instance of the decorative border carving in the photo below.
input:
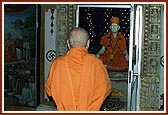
(65, 15)
(151, 58)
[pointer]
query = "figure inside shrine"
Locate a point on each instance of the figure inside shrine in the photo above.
(115, 55)
(10, 49)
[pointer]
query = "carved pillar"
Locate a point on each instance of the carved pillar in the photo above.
(65, 22)
(149, 94)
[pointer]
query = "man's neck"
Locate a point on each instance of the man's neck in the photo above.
(115, 34)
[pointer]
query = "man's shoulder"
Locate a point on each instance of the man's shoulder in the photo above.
(91, 55)
(96, 59)
(58, 59)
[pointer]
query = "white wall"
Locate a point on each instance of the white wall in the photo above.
(50, 42)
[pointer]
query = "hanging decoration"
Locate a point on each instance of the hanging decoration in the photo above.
(52, 18)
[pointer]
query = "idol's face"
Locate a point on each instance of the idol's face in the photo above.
(114, 27)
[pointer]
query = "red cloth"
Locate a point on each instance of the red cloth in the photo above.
(10, 51)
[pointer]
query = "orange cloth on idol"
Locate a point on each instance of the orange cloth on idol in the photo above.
(78, 81)
(114, 55)
(115, 20)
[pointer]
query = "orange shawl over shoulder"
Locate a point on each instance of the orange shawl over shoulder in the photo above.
(78, 81)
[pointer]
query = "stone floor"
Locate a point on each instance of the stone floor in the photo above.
(45, 108)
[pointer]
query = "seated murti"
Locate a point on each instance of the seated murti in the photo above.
(114, 42)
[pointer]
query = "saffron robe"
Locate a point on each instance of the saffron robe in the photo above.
(78, 81)
(114, 55)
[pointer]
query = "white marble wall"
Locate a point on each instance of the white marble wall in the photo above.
(50, 42)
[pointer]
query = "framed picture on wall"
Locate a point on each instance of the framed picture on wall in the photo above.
(20, 54)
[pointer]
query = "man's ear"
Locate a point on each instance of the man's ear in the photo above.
(88, 42)
(68, 44)
(118, 27)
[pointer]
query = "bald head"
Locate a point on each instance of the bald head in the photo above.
(78, 37)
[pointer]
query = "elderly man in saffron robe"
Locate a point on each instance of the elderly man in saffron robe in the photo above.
(114, 56)
(78, 81)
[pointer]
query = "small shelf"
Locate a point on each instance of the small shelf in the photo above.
(117, 78)
(118, 75)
